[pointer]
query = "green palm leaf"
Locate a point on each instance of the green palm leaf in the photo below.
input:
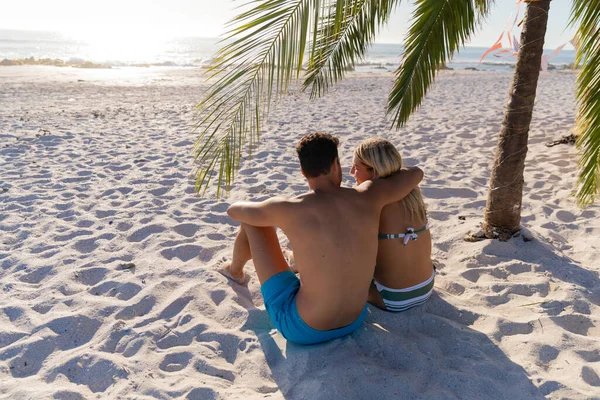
(439, 28)
(265, 51)
(342, 38)
(266, 45)
(587, 14)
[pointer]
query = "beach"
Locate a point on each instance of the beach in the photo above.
(108, 286)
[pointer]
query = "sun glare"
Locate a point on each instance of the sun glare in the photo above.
(125, 44)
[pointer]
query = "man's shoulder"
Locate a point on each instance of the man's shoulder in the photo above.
(302, 197)
(284, 201)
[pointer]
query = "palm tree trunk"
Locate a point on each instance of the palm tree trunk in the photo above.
(503, 208)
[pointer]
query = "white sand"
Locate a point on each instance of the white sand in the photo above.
(110, 184)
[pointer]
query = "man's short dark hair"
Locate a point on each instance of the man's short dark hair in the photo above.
(316, 152)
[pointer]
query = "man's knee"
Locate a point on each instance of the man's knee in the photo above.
(251, 229)
(261, 237)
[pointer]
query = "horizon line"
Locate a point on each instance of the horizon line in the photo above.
(215, 38)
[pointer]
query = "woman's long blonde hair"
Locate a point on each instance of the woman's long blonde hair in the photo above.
(384, 159)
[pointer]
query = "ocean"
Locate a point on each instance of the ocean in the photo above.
(195, 51)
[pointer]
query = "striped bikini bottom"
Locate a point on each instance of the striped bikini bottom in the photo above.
(397, 300)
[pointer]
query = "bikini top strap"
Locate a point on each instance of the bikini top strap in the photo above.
(390, 235)
(411, 233)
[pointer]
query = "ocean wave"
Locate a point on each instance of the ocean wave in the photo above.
(82, 63)
(364, 65)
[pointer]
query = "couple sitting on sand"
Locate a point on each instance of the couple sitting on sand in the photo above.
(350, 245)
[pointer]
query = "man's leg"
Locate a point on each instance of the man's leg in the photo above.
(262, 245)
(241, 255)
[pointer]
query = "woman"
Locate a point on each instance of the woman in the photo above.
(404, 272)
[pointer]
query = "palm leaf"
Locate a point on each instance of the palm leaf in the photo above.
(586, 13)
(265, 45)
(342, 38)
(439, 28)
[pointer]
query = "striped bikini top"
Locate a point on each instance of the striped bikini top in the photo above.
(411, 234)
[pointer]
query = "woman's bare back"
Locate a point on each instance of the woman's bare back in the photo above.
(401, 266)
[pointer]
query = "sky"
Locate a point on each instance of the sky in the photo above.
(159, 19)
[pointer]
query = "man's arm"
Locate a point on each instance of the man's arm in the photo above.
(264, 213)
(394, 187)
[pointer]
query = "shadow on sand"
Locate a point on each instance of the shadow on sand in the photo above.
(426, 352)
(541, 256)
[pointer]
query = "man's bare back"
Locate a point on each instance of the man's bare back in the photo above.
(333, 233)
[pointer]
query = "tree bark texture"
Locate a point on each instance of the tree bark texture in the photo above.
(503, 208)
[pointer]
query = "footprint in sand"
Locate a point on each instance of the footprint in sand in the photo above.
(589, 356)
(518, 268)
(170, 311)
(160, 191)
(63, 207)
(144, 232)
(98, 374)
(577, 324)
(202, 393)
(8, 338)
(90, 276)
(175, 361)
(247, 344)
(187, 230)
(590, 376)
(218, 296)
(176, 338)
(224, 343)
(120, 290)
(216, 236)
(118, 332)
(184, 253)
(139, 309)
(454, 288)
(545, 354)
(37, 275)
(474, 274)
(105, 213)
(85, 223)
(71, 235)
(207, 368)
(67, 395)
(124, 226)
(89, 245)
(522, 289)
(132, 348)
(506, 328)
(30, 360)
(72, 331)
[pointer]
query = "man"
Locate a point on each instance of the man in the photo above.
(333, 233)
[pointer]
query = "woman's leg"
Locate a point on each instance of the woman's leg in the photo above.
(375, 298)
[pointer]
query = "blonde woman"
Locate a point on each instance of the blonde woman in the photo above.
(404, 272)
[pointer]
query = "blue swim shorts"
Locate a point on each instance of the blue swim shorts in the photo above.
(279, 293)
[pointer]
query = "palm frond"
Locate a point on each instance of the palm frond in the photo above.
(265, 46)
(342, 37)
(439, 28)
(586, 13)
(483, 8)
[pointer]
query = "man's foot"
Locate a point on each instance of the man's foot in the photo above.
(225, 270)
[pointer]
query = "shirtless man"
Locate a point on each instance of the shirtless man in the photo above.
(333, 233)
